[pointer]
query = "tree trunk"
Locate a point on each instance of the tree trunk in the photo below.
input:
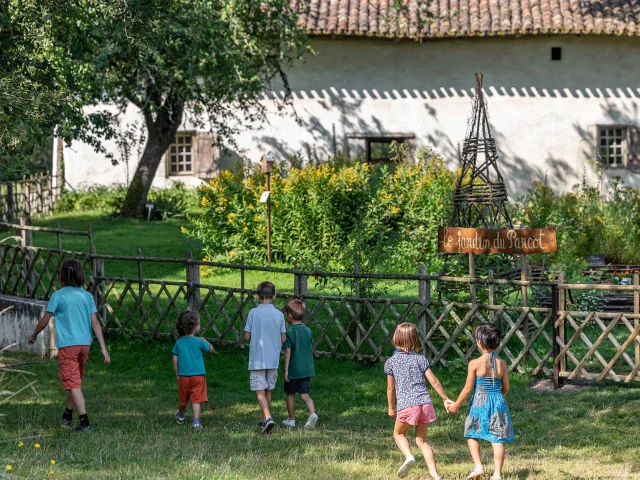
(160, 134)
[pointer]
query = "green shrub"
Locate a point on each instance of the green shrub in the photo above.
(168, 202)
(330, 215)
(588, 222)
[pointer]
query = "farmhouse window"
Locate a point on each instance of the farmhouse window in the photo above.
(379, 149)
(181, 155)
(193, 153)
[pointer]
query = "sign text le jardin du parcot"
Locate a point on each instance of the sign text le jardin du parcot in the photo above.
(483, 240)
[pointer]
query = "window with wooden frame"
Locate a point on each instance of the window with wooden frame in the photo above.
(193, 153)
(376, 147)
(618, 146)
(181, 155)
(378, 150)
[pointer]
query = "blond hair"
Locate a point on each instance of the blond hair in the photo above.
(407, 338)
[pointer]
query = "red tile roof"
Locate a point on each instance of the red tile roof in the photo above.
(466, 18)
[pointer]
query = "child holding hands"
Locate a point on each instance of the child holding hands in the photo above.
(488, 417)
(406, 372)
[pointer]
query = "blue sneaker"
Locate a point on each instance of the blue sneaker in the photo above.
(196, 425)
(180, 419)
(268, 426)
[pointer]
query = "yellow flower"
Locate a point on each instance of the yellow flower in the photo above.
(51, 473)
(8, 468)
(204, 202)
(36, 445)
(245, 229)
(20, 444)
(256, 218)
(395, 210)
(298, 265)
(52, 462)
(233, 253)
(231, 217)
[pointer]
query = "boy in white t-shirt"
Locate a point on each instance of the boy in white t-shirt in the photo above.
(266, 330)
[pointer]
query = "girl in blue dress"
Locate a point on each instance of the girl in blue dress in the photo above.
(488, 418)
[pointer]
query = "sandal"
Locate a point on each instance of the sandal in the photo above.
(476, 473)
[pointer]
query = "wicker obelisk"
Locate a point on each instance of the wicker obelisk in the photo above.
(480, 196)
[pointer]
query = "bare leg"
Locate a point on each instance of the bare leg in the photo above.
(70, 404)
(196, 411)
(399, 431)
(264, 404)
(267, 394)
(78, 400)
(427, 451)
(498, 458)
(309, 403)
(291, 405)
(474, 448)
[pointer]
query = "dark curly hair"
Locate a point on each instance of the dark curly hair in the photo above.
(71, 274)
(187, 322)
(488, 335)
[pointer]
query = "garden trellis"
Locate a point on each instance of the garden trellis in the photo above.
(537, 339)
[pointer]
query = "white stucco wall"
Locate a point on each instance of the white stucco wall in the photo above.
(543, 113)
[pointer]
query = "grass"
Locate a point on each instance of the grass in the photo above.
(588, 434)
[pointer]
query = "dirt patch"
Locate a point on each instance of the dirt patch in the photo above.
(546, 385)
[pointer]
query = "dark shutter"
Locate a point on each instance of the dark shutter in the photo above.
(208, 155)
(633, 147)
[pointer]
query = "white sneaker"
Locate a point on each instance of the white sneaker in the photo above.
(311, 422)
(289, 423)
(406, 467)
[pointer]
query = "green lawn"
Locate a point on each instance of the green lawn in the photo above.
(589, 434)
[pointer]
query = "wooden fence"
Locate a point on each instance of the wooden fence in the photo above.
(536, 339)
(28, 197)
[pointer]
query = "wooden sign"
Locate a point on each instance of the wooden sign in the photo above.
(483, 240)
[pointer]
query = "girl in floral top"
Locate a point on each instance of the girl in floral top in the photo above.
(488, 418)
(406, 372)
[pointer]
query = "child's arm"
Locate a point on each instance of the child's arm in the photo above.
(42, 324)
(97, 329)
(287, 358)
(283, 337)
(468, 388)
(247, 336)
(437, 386)
(174, 362)
(505, 380)
(391, 395)
(211, 349)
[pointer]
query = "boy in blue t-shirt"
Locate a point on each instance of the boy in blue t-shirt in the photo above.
(188, 365)
(74, 310)
(266, 330)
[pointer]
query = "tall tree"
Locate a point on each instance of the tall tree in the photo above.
(207, 59)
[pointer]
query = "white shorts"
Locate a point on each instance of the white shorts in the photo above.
(263, 379)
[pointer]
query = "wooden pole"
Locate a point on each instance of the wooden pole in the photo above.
(562, 306)
(424, 295)
(491, 289)
(356, 288)
(269, 218)
(193, 279)
(556, 332)
(58, 237)
(140, 289)
(636, 311)
(472, 287)
(525, 300)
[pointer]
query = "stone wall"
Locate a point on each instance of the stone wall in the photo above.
(18, 323)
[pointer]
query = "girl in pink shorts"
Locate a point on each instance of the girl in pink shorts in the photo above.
(406, 372)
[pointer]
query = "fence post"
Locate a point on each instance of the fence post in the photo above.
(193, 278)
(10, 207)
(491, 289)
(556, 332)
(636, 311)
(140, 288)
(562, 306)
(472, 287)
(356, 290)
(26, 240)
(40, 200)
(27, 198)
(424, 295)
(300, 284)
(242, 286)
(97, 272)
(525, 302)
(90, 235)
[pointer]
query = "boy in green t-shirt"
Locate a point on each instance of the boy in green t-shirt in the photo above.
(298, 363)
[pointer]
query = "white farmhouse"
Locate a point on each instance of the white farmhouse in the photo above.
(562, 81)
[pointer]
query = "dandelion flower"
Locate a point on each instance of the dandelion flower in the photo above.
(52, 462)
(20, 444)
(36, 445)
(8, 468)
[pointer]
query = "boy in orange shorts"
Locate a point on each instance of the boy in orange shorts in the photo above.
(189, 367)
